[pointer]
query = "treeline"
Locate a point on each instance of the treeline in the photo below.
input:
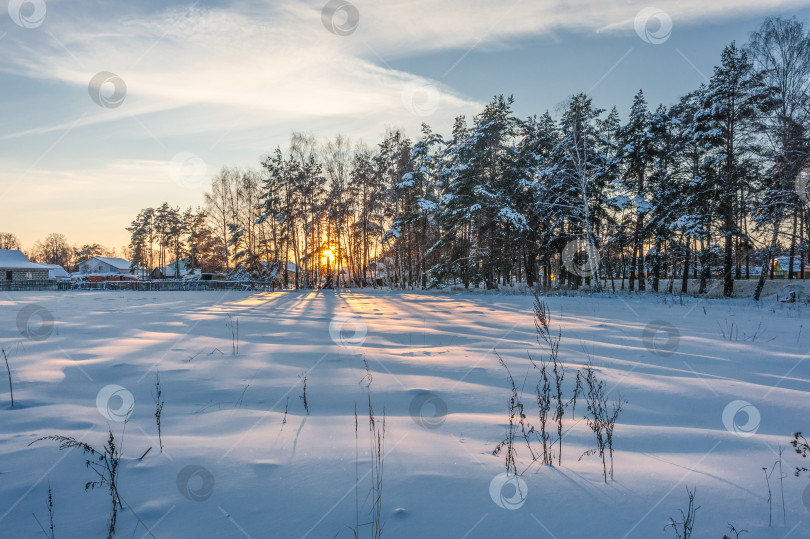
(584, 197)
(55, 249)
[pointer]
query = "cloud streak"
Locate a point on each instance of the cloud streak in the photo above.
(240, 75)
(278, 60)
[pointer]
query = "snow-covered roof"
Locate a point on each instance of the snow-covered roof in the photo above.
(118, 263)
(378, 269)
(52, 266)
(290, 265)
(55, 270)
(169, 270)
(15, 259)
(171, 265)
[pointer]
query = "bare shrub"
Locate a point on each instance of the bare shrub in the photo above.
(735, 531)
(104, 463)
(158, 396)
(10, 389)
(600, 418)
(303, 396)
(517, 428)
(543, 407)
(376, 428)
(49, 533)
(233, 326)
(542, 321)
(683, 528)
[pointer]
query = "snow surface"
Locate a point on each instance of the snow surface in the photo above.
(262, 478)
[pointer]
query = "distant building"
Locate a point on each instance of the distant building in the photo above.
(171, 271)
(378, 270)
(275, 270)
(15, 266)
(104, 264)
(56, 272)
(781, 268)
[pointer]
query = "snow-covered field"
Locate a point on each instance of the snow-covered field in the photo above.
(232, 467)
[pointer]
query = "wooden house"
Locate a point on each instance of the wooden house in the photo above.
(15, 267)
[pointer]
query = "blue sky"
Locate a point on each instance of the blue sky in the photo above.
(220, 83)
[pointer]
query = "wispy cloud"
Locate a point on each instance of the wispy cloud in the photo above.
(215, 76)
(277, 59)
(279, 62)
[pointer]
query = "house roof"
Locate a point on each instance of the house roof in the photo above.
(56, 269)
(15, 259)
(118, 263)
(290, 265)
(171, 265)
(169, 271)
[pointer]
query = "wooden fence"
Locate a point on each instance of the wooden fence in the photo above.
(158, 285)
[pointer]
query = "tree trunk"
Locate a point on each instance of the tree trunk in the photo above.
(728, 277)
(704, 268)
(642, 277)
(633, 267)
(792, 247)
(657, 265)
(767, 264)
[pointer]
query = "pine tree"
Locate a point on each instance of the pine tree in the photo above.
(637, 159)
(735, 97)
(666, 201)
